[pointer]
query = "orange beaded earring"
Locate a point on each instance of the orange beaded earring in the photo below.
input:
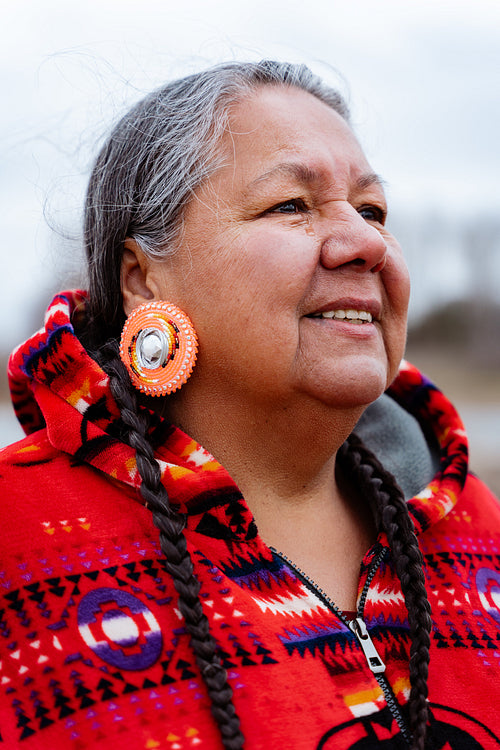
(158, 347)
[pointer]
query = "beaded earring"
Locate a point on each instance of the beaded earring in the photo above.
(158, 347)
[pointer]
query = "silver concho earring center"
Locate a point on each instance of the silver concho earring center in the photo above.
(158, 347)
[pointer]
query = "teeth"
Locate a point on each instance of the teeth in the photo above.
(353, 316)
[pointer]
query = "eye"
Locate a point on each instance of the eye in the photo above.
(373, 213)
(291, 206)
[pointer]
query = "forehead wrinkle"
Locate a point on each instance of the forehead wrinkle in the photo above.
(306, 175)
(299, 172)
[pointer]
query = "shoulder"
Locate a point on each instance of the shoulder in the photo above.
(25, 458)
(472, 525)
(479, 499)
(32, 466)
(46, 494)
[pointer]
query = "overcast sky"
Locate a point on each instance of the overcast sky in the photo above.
(423, 79)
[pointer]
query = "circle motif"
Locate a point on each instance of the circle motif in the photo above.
(119, 629)
(488, 588)
(158, 347)
(450, 729)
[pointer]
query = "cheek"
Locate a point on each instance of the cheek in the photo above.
(257, 287)
(272, 269)
(397, 285)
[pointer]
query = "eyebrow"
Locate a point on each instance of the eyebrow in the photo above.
(369, 179)
(308, 175)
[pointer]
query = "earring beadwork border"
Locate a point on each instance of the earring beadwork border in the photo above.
(175, 329)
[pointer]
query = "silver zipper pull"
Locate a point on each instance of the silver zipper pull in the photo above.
(375, 663)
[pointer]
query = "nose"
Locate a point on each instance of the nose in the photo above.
(355, 242)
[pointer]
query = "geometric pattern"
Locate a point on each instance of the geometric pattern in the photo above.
(459, 582)
(93, 648)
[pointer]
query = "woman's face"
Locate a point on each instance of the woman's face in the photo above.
(279, 246)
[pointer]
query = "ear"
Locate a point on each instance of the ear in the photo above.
(135, 277)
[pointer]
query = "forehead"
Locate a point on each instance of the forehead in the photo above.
(279, 125)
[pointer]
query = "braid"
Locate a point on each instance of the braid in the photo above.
(390, 512)
(173, 545)
(392, 515)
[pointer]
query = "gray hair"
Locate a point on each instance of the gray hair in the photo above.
(159, 153)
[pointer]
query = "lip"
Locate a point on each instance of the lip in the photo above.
(373, 306)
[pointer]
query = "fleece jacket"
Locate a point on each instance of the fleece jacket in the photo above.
(93, 648)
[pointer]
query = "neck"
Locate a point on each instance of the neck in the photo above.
(283, 459)
(274, 450)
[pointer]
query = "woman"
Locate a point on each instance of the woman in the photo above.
(285, 601)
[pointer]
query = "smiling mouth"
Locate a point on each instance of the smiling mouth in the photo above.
(358, 317)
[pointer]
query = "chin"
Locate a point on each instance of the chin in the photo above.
(353, 386)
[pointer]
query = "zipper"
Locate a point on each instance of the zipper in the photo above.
(358, 627)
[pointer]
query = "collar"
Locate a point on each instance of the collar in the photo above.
(56, 384)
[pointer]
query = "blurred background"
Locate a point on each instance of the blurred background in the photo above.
(423, 82)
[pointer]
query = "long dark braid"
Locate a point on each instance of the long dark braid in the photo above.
(147, 172)
(391, 513)
(173, 544)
